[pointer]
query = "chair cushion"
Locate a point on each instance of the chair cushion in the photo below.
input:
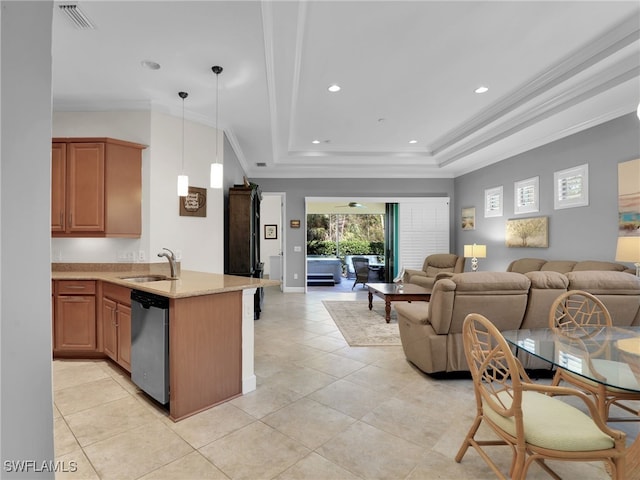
(553, 424)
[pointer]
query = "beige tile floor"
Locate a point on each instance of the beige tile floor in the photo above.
(322, 410)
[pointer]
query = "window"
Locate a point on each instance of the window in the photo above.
(493, 202)
(526, 195)
(571, 187)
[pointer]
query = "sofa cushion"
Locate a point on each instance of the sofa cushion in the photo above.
(433, 271)
(596, 265)
(440, 260)
(561, 266)
(524, 265)
(491, 283)
(548, 279)
(604, 282)
(414, 312)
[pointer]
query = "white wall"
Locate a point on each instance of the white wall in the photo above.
(26, 429)
(199, 241)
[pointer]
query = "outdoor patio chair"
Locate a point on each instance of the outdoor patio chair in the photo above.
(361, 267)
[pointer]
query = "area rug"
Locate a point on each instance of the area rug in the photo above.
(363, 327)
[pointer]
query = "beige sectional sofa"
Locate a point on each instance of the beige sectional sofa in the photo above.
(431, 332)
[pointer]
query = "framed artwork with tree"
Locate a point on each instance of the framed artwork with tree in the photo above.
(528, 232)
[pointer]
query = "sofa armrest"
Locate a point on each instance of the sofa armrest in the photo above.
(441, 305)
(442, 275)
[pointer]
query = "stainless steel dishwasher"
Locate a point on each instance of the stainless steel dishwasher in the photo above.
(150, 344)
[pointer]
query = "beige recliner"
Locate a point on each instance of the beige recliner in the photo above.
(431, 333)
(433, 265)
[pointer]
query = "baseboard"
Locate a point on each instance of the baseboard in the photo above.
(293, 290)
(249, 384)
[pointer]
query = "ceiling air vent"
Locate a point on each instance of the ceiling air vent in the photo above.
(77, 17)
(261, 164)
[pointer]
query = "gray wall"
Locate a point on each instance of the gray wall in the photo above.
(298, 188)
(582, 233)
(26, 430)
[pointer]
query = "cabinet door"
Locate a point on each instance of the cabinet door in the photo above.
(124, 336)
(58, 186)
(75, 323)
(85, 187)
(109, 328)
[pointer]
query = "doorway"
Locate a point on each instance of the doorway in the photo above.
(272, 236)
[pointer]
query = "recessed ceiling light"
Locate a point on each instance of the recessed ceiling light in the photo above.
(334, 88)
(481, 89)
(413, 141)
(151, 65)
(316, 141)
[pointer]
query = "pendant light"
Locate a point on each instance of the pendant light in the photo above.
(183, 180)
(216, 167)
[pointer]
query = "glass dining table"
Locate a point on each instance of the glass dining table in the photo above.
(583, 353)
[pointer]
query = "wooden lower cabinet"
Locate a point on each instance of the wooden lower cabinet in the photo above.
(75, 316)
(116, 324)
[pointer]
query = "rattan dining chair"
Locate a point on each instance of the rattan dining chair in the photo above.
(534, 425)
(576, 315)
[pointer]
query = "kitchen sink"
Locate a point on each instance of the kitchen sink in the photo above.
(145, 278)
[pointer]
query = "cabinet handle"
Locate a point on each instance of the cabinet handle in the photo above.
(76, 287)
(61, 218)
(75, 299)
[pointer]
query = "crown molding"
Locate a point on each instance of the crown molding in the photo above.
(617, 74)
(614, 40)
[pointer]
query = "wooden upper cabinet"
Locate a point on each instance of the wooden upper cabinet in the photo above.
(58, 187)
(85, 192)
(96, 186)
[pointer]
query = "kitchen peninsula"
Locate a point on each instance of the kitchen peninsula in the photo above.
(211, 352)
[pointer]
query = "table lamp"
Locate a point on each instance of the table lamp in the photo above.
(474, 252)
(628, 250)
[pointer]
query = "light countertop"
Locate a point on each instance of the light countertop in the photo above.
(190, 283)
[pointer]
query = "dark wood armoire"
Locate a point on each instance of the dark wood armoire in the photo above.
(243, 242)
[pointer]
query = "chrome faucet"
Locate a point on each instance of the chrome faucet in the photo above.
(172, 262)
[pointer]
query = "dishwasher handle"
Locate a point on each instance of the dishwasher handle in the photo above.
(148, 300)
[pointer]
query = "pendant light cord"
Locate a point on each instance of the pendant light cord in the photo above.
(183, 95)
(217, 110)
(217, 70)
(182, 135)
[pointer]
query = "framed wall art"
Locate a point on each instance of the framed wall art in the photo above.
(571, 187)
(629, 198)
(526, 196)
(469, 218)
(493, 201)
(270, 232)
(194, 204)
(527, 232)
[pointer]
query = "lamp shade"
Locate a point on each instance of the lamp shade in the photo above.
(477, 251)
(183, 185)
(628, 249)
(216, 175)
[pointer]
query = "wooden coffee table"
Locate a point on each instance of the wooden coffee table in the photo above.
(391, 292)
